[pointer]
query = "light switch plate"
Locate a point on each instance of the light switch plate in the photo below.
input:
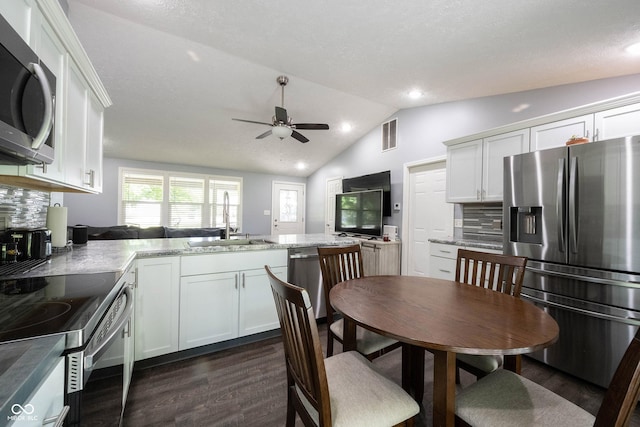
(267, 212)
(457, 222)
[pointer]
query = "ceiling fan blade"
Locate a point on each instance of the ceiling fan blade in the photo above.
(311, 126)
(281, 114)
(300, 137)
(251, 121)
(264, 135)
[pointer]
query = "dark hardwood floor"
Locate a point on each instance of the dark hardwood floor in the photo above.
(245, 386)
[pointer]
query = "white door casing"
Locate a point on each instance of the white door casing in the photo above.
(334, 186)
(426, 215)
(287, 208)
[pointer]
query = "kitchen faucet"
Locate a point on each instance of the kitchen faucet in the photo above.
(225, 214)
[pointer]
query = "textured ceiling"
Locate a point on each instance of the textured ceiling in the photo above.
(179, 70)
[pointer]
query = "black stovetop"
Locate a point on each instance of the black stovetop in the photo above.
(39, 306)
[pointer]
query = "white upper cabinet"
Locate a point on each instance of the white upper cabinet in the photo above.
(52, 52)
(93, 158)
(556, 134)
(617, 122)
(18, 14)
(495, 149)
(80, 100)
(474, 168)
(75, 123)
(464, 172)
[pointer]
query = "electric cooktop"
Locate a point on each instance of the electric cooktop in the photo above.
(70, 304)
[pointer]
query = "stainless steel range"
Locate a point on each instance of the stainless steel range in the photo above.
(90, 310)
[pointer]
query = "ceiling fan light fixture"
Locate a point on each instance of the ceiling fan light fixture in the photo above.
(281, 132)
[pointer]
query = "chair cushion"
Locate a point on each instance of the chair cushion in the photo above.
(484, 363)
(362, 396)
(367, 342)
(504, 398)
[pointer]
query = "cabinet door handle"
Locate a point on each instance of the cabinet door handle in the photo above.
(236, 278)
(477, 194)
(91, 175)
(243, 280)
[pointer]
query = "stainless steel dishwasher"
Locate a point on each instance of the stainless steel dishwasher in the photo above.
(304, 271)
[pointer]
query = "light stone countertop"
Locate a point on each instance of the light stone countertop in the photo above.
(23, 365)
(99, 256)
(480, 244)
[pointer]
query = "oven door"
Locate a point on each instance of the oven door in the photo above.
(98, 377)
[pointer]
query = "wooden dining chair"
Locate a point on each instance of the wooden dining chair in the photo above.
(505, 398)
(337, 264)
(343, 390)
(502, 273)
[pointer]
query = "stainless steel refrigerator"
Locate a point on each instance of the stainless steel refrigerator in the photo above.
(575, 213)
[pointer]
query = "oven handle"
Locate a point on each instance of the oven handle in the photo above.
(89, 357)
(629, 320)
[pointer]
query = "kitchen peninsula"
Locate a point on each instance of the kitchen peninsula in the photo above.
(199, 262)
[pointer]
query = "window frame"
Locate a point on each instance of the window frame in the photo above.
(165, 204)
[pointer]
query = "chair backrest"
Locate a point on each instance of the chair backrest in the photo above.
(302, 349)
(503, 273)
(337, 264)
(622, 395)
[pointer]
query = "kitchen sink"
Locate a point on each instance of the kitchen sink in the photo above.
(230, 242)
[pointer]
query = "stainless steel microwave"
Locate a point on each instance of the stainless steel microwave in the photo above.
(27, 102)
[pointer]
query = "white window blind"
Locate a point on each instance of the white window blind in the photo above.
(186, 201)
(142, 199)
(154, 198)
(217, 187)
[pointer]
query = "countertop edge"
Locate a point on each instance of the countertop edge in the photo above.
(469, 243)
(25, 375)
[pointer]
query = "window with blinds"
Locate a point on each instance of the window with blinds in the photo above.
(154, 198)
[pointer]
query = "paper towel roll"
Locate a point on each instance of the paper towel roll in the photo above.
(57, 223)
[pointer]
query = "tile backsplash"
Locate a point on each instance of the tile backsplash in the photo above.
(23, 208)
(481, 221)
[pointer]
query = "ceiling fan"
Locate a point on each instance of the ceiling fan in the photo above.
(281, 125)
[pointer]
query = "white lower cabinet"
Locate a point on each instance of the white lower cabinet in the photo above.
(227, 295)
(443, 259)
(157, 306)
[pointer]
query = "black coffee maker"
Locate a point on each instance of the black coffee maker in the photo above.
(21, 244)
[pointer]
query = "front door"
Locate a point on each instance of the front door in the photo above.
(287, 212)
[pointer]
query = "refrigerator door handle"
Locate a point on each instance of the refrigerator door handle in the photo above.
(560, 205)
(628, 319)
(573, 205)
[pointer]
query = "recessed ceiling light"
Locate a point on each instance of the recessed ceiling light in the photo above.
(416, 94)
(301, 166)
(194, 56)
(520, 107)
(633, 49)
(346, 127)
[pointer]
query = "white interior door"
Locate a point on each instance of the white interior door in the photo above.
(334, 186)
(427, 214)
(287, 211)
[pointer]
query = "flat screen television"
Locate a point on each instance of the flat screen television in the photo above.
(374, 181)
(359, 213)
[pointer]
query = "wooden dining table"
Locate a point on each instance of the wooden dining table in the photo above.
(445, 318)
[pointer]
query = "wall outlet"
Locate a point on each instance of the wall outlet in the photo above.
(457, 222)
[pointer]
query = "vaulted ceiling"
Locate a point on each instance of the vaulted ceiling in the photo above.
(178, 71)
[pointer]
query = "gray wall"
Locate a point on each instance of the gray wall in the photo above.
(422, 130)
(102, 209)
